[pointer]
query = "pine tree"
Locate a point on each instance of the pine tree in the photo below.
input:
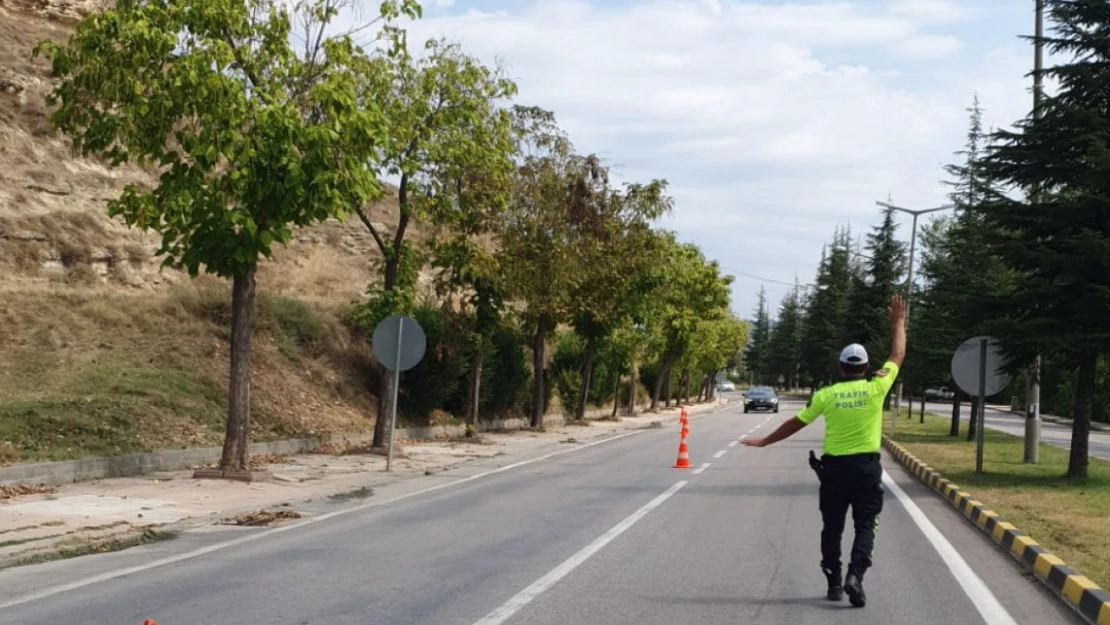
(957, 269)
(756, 354)
(828, 311)
(1058, 241)
(785, 346)
(883, 268)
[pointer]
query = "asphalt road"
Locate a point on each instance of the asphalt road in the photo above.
(605, 535)
(1054, 434)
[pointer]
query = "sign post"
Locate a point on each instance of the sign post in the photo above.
(398, 344)
(976, 369)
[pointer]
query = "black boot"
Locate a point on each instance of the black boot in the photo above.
(853, 585)
(836, 587)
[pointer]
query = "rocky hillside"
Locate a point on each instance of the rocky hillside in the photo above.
(104, 351)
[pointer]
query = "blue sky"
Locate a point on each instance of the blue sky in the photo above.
(774, 122)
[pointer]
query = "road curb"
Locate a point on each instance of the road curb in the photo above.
(1076, 590)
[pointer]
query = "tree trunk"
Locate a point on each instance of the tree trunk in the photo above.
(587, 378)
(538, 345)
(392, 253)
(616, 397)
(923, 405)
(236, 455)
(385, 379)
(473, 389)
(973, 422)
(686, 386)
(664, 372)
(633, 386)
(1081, 426)
(667, 391)
(954, 428)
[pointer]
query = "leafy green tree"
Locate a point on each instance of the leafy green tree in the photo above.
(618, 253)
(1058, 241)
(540, 232)
(692, 291)
(450, 148)
(252, 138)
(755, 356)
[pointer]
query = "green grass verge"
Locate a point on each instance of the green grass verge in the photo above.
(1067, 518)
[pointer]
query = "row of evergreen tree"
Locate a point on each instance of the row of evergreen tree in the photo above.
(1025, 256)
(846, 304)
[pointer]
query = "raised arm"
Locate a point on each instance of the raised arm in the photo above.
(897, 312)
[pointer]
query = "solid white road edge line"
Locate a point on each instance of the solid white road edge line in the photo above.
(986, 603)
(524, 597)
(95, 579)
(719, 454)
(702, 468)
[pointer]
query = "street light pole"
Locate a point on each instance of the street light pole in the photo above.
(909, 274)
(1033, 395)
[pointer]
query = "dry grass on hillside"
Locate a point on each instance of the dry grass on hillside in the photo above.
(105, 373)
(101, 350)
(53, 223)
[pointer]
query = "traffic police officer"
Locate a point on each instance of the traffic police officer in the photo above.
(850, 469)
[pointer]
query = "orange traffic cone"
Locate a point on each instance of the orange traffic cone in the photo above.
(683, 461)
(149, 621)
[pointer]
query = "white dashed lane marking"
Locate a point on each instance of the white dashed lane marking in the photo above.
(719, 454)
(701, 468)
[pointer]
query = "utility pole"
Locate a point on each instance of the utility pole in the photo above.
(909, 275)
(1033, 395)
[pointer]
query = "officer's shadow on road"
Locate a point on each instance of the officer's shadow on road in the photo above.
(816, 602)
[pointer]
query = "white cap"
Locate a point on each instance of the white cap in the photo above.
(854, 354)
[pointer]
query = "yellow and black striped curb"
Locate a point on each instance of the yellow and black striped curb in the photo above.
(1081, 594)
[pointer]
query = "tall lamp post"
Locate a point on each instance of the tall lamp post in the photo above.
(909, 273)
(1033, 394)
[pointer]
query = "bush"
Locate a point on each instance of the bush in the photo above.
(506, 377)
(439, 381)
(566, 370)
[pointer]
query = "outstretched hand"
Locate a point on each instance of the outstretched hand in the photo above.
(897, 309)
(755, 442)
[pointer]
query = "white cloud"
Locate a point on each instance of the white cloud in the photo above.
(774, 123)
(927, 46)
(935, 11)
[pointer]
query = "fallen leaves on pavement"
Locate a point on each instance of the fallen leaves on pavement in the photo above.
(11, 492)
(261, 518)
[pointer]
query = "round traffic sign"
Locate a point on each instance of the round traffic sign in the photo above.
(399, 343)
(965, 367)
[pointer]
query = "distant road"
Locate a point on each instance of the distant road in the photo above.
(1053, 434)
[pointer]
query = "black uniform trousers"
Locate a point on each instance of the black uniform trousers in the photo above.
(854, 482)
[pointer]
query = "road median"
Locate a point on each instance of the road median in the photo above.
(1065, 521)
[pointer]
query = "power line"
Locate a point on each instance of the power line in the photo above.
(762, 279)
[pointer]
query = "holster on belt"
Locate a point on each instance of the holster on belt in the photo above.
(815, 464)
